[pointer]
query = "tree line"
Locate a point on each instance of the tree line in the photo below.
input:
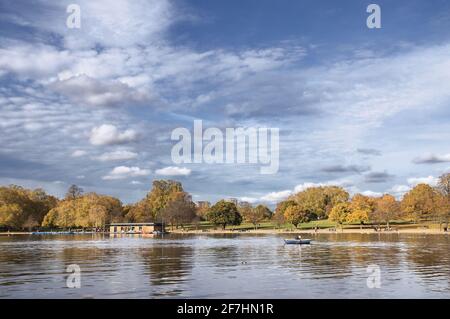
(169, 203)
(421, 203)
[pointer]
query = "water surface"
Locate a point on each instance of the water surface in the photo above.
(225, 266)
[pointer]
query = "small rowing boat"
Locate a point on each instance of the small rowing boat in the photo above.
(53, 233)
(297, 241)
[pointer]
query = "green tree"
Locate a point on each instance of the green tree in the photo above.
(224, 213)
(265, 211)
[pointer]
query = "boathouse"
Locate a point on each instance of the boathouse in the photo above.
(136, 228)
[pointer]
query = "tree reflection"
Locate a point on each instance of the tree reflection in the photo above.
(168, 266)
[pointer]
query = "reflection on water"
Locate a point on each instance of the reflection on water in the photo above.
(225, 266)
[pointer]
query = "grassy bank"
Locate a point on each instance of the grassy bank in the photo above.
(320, 226)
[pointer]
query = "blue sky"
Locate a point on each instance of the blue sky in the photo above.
(366, 109)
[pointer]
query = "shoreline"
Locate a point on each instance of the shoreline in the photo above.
(311, 231)
(278, 231)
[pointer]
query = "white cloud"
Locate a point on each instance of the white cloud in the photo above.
(122, 172)
(136, 183)
(350, 90)
(118, 23)
(430, 180)
(85, 90)
(108, 134)
(31, 61)
(372, 194)
(399, 190)
(250, 200)
(274, 197)
(173, 171)
(117, 156)
(79, 153)
(304, 186)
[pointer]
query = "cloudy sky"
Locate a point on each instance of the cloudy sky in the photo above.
(367, 109)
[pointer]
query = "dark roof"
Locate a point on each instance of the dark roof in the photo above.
(135, 224)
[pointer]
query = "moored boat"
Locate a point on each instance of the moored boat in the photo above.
(53, 233)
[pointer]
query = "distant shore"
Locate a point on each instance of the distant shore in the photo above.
(284, 231)
(312, 231)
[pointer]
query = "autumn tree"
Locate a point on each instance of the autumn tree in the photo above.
(74, 192)
(89, 210)
(179, 210)
(361, 208)
(340, 212)
(257, 215)
(140, 212)
(202, 210)
(265, 211)
(318, 201)
(296, 214)
(278, 219)
(444, 184)
(420, 202)
(281, 206)
(387, 209)
(442, 212)
(245, 210)
(443, 201)
(224, 213)
(333, 196)
(23, 208)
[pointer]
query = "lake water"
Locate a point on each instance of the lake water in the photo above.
(226, 266)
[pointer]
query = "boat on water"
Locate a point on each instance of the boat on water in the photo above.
(53, 233)
(297, 241)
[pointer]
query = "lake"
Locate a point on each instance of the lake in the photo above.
(226, 266)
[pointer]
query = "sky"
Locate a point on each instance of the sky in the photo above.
(365, 109)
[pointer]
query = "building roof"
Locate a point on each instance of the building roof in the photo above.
(135, 224)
